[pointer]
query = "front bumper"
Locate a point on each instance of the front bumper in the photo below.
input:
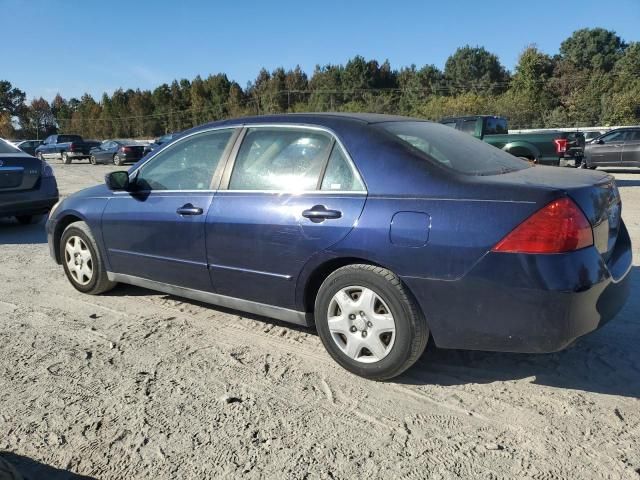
(527, 303)
(30, 202)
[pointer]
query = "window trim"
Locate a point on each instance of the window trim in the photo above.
(335, 141)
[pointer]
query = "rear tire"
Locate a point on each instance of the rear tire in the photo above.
(65, 158)
(40, 157)
(28, 219)
(117, 160)
(82, 262)
(369, 322)
(92, 160)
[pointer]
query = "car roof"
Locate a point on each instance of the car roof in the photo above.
(323, 119)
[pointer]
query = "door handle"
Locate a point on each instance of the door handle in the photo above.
(189, 209)
(320, 213)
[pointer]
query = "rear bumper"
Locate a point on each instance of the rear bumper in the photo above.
(30, 202)
(527, 303)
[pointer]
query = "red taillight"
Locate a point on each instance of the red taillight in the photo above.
(561, 145)
(72, 147)
(558, 227)
(126, 149)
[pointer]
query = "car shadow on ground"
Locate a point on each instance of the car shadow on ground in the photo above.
(33, 470)
(606, 361)
(14, 233)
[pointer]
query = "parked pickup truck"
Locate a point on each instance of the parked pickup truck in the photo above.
(65, 148)
(544, 147)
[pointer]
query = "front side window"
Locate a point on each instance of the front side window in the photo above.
(340, 176)
(187, 165)
(614, 137)
(285, 159)
(468, 126)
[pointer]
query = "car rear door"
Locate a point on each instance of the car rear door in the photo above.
(608, 150)
(631, 149)
(287, 194)
(157, 230)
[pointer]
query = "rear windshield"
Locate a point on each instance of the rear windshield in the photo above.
(454, 150)
(69, 138)
(6, 147)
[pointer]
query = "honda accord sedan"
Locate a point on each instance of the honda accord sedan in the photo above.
(28, 188)
(380, 231)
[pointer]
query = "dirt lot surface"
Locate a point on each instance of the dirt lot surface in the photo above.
(136, 384)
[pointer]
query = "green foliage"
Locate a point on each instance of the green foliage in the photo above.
(595, 80)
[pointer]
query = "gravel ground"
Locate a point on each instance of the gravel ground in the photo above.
(136, 384)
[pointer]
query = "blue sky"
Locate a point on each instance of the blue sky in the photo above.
(77, 46)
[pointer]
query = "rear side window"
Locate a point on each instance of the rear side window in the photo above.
(69, 138)
(283, 159)
(452, 149)
(496, 126)
(340, 175)
(633, 136)
(187, 165)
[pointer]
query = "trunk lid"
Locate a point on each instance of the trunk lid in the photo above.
(19, 172)
(594, 192)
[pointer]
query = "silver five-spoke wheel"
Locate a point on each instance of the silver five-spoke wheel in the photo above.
(79, 261)
(361, 324)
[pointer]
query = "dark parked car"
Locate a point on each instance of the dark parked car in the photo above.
(617, 148)
(28, 188)
(378, 230)
(158, 142)
(543, 147)
(64, 147)
(29, 146)
(117, 152)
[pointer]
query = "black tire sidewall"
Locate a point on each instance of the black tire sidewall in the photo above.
(402, 314)
(72, 231)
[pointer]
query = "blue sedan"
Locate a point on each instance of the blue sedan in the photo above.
(380, 231)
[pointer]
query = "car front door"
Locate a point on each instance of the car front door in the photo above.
(156, 231)
(631, 149)
(608, 149)
(100, 152)
(288, 194)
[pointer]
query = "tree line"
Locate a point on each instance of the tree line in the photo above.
(593, 80)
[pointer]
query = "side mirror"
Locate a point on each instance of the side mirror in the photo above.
(117, 180)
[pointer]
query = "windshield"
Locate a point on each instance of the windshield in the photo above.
(453, 149)
(6, 147)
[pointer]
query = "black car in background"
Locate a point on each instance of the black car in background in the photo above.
(117, 152)
(28, 188)
(28, 146)
(158, 142)
(616, 148)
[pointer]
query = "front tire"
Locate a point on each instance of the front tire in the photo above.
(369, 322)
(81, 260)
(92, 160)
(65, 158)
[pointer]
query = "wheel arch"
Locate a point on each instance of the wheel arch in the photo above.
(522, 149)
(61, 225)
(319, 273)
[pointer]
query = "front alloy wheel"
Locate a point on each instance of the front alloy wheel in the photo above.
(79, 260)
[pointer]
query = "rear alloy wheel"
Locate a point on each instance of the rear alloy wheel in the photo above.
(65, 158)
(369, 323)
(81, 260)
(117, 160)
(28, 219)
(92, 159)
